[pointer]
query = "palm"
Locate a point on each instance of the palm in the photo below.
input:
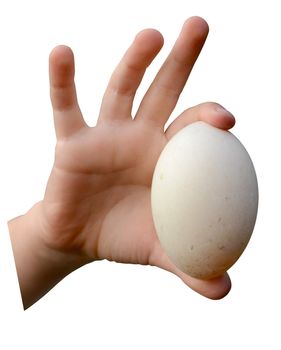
(126, 232)
(97, 202)
(108, 192)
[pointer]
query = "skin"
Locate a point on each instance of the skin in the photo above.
(97, 200)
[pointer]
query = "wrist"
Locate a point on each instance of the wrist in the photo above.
(39, 267)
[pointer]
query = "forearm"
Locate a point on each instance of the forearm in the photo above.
(39, 268)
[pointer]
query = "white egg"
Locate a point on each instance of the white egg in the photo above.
(204, 200)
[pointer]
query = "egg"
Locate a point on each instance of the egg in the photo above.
(204, 200)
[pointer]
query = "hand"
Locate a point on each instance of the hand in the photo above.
(97, 201)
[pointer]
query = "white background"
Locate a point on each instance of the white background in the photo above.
(106, 305)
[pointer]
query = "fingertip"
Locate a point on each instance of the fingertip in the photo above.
(150, 35)
(149, 32)
(219, 287)
(229, 122)
(61, 66)
(61, 60)
(200, 26)
(199, 21)
(61, 53)
(221, 117)
(214, 289)
(208, 112)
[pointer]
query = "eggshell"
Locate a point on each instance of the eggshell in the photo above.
(204, 200)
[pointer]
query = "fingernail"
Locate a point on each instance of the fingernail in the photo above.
(219, 108)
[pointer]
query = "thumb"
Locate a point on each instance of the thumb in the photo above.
(215, 289)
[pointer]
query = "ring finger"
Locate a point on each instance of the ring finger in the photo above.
(119, 95)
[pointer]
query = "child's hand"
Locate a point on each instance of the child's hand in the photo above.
(97, 201)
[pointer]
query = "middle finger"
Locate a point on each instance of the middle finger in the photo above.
(163, 94)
